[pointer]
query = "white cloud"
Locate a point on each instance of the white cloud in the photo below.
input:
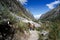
(51, 5)
(37, 16)
(23, 1)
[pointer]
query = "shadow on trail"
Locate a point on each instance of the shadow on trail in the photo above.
(6, 31)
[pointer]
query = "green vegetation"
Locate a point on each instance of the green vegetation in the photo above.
(22, 26)
(54, 33)
(53, 28)
(6, 15)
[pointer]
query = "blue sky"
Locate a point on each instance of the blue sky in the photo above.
(38, 7)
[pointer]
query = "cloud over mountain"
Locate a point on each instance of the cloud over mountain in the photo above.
(37, 16)
(51, 5)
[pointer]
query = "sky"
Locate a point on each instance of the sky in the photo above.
(39, 7)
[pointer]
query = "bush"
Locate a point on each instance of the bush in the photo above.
(22, 26)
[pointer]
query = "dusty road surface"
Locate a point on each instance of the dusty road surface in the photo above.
(33, 35)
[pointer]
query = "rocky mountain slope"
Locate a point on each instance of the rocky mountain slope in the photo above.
(51, 24)
(12, 15)
(16, 7)
(51, 15)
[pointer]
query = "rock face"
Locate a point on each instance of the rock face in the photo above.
(51, 15)
(16, 7)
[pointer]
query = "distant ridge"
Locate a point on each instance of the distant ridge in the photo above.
(53, 14)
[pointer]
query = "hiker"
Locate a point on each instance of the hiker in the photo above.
(31, 26)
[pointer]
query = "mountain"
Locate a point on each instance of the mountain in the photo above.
(51, 15)
(17, 8)
(12, 15)
(51, 21)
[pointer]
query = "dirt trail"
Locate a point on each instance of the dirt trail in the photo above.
(33, 35)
